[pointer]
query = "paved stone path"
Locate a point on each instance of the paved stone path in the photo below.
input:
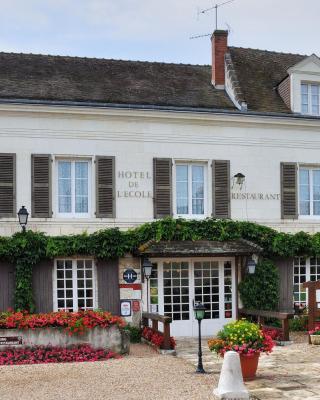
(289, 372)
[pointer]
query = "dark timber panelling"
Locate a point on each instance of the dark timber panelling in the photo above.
(6, 286)
(42, 286)
(108, 286)
(285, 267)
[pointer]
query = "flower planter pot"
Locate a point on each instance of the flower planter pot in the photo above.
(249, 365)
(315, 339)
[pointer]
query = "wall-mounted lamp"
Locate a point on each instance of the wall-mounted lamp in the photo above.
(251, 266)
(239, 178)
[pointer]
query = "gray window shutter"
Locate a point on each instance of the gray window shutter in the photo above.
(41, 186)
(108, 285)
(289, 197)
(221, 189)
(42, 286)
(105, 187)
(7, 185)
(162, 187)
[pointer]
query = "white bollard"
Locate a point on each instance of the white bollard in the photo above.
(231, 384)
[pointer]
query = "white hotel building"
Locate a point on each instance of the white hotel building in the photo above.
(87, 144)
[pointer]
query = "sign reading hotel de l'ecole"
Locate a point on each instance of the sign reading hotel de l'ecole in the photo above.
(135, 182)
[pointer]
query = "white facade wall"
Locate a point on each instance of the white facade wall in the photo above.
(254, 145)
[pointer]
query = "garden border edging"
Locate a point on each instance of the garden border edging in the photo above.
(112, 338)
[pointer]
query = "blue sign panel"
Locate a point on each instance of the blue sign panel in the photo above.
(130, 275)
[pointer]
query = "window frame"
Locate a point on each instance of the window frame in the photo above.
(191, 163)
(307, 275)
(311, 168)
(309, 85)
(73, 214)
(74, 283)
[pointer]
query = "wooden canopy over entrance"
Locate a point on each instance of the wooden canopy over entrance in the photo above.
(199, 248)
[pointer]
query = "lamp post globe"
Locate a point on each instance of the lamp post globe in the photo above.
(147, 268)
(23, 217)
(199, 313)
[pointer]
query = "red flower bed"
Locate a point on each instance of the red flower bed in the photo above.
(156, 337)
(49, 354)
(274, 333)
(71, 322)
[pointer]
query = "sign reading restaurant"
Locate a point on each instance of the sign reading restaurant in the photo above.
(255, 196)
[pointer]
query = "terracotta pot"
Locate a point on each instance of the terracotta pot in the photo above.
(315, 339)
(249, 365)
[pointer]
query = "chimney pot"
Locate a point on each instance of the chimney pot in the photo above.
(219, 41)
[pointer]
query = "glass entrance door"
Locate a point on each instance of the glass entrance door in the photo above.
(213, 286)
(180, 283)
(176, 293)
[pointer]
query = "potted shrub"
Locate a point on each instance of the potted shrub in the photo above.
(247, 339)
(315, 335)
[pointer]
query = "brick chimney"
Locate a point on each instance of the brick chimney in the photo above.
(219, 41)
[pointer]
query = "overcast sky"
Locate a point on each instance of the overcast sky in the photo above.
(155, 30)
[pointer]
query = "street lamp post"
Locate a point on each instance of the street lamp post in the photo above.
(199, 311)
(23, 218)
(147, 271)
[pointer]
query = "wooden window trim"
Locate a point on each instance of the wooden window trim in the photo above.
(74, 281)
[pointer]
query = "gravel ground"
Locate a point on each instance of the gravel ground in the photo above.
(142, 375)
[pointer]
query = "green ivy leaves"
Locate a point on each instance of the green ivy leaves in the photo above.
(260, 291)
(27, 249)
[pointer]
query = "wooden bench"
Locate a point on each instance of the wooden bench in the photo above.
(262, 315)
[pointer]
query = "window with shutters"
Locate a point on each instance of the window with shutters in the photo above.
(309, 192)
(75, 285)
(190, 190)
(73, 188)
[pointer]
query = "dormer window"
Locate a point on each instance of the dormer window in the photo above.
(310, 94)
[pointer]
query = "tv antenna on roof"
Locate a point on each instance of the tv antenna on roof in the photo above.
(206, 10)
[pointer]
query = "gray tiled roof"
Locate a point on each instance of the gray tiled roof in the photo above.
(58, 78)
(39, 77)
(259, 72)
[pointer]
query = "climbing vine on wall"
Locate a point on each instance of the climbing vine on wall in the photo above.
(260, 291)
(24, 250)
